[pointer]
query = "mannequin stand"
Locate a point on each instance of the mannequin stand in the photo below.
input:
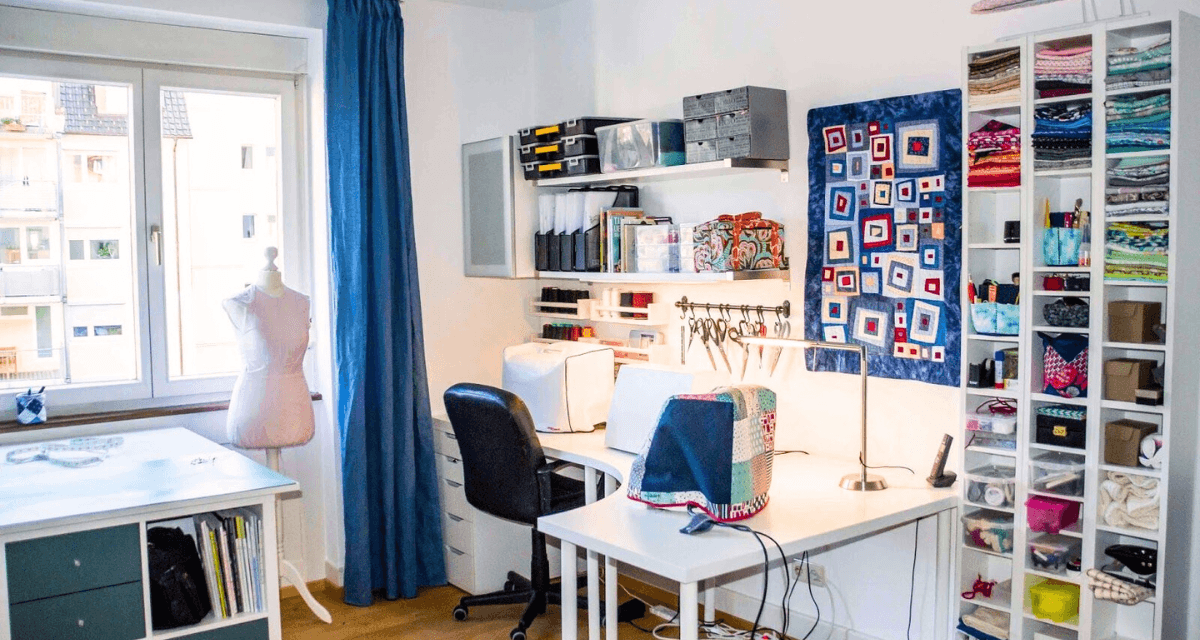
(286, 569)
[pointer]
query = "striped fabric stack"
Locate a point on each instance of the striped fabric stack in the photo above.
(994, 156)
(1130, 67)
(1136, 252)
(1137, 187)
(995, 78)
(1063, 72)
(1062, 136)
(1138, 122)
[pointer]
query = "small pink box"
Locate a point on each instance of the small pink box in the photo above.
(1051, 515)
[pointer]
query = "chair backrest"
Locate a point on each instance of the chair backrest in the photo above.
(500, 451)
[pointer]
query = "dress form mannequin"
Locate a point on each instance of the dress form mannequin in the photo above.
(270, 407)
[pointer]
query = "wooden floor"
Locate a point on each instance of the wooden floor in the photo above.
(426, 617)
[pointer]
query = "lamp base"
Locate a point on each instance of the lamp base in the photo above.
(854, 482)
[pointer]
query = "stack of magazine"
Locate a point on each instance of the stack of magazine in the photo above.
(231, 548)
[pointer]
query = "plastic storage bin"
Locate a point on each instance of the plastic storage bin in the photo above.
(1053, 552)
(641, 144)
(993, 485)
(991, 422)
(1058, 473)
(1050, 515)
(1006, 441)
(588, 126)
(1055, 601)
(991, 530)
(580, 146)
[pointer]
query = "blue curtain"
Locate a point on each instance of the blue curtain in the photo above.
(393, 527)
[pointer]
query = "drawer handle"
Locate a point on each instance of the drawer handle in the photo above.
(453, 484)
(80, 623)
(452, 460)
(454, 517)
(455, 551)
(451, 435)
(78, 564)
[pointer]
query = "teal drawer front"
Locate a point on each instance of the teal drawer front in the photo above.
(256, 630)
(57, 565)
(111, 613)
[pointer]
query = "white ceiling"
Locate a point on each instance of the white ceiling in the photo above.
(509, 5)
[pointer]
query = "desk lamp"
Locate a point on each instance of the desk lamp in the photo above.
(861, 481)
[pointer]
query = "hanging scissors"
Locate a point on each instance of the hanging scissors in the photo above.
(744, 328)
(722, 334)
(707, 336)
(683, 345)
(783, 329)
(760, 330)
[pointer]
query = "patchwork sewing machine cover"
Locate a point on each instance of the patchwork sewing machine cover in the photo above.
(885, 236)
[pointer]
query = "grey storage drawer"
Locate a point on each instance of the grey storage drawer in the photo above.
(700, 129)
(256, 630)
(111, 613)
(56, 565)
(733, 124)
(699, 106)
(701, 151)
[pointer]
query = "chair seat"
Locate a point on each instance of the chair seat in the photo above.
(565, 493)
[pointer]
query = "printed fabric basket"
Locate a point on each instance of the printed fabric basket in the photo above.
(1067, 312)
(713, 451)
(1061, 246)
(738, 243)
(1065, 365)
(996, 319)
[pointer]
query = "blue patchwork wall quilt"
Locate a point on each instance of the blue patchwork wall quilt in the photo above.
(885, 236)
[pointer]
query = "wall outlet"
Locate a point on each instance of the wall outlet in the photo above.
(809, 571)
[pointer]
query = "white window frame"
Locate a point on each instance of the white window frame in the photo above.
(154, 386)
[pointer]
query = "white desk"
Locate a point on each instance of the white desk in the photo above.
(154, 475)
(806, 510)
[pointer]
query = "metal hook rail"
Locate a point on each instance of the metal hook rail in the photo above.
(783, 310)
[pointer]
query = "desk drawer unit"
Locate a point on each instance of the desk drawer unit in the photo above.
(73, 562)
(458, 532)
(449, 468)
(257, 630)
(445, 442)
(111, 613)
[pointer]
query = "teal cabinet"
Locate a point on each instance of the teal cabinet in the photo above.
(72, 562)
(257, 630)
(111, 613)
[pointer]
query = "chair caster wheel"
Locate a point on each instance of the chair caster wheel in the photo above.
(509, 586)
(516, 634)
(460, 613)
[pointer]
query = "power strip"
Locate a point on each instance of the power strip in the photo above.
(664, 612)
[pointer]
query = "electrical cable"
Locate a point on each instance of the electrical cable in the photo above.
(912, 584)
(864, 464)
(566, 378)
(808, 565)
(779, 453)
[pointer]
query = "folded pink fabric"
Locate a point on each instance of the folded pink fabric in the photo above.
(1073, 51)
(991, 6)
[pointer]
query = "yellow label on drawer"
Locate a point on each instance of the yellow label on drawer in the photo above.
(1060, 431)
(546, 149)
(544, 130)
(554, 166)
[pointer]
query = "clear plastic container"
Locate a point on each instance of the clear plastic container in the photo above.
(641, 144)
(1052, 553)
(991, 530)
(993, 485)
(1058, 473)
(991, 440)
(991, 422)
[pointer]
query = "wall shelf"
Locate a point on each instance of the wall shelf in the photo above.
(667, 278)
(732, 166)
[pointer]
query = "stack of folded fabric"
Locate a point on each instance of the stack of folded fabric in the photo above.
(1138, 122)
(1136, 251)
(995, 156)
(984, 624)
(1063, 72)
(995, 78)
(1137, 186)
(1130, 67)
(1062, 136)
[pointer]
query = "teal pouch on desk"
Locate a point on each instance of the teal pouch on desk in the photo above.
(713, 451)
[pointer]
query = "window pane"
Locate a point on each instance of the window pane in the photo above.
(80, 132)
(221, 208)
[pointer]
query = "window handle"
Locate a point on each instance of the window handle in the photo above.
(156, 238)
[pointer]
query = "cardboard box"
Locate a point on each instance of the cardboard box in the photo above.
(1124, 376)
(1131, 321)
(1123, 438)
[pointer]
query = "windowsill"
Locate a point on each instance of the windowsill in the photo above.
(12, 426)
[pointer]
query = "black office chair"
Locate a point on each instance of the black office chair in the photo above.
(507, 475)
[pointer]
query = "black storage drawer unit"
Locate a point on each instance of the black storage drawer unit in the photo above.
(581, 166)
(110, 613)
(544, 133)
(581, 145)
(72, 562)
(587, 126)
(1062, 426)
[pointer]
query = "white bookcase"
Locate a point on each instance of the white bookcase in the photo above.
(985, 255)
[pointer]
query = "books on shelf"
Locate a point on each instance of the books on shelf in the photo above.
(231, 549)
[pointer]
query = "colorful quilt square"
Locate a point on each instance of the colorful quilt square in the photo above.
(858, 165)
(926, 321)
(845, 281)
(929, 184)
(834, 310)
(835, 333)
(858, 136)
(877, 231)
(900, 334)
(881, 148)
(881, 193)
(907, 351)
(906, 237)
(840, 246)
(937, 231)
(926, 215)
(931, 256)
(871, 326)
(869, 282)
(827, 274)
(843, 203)
(900, 275)
(836, 168)
(932, 286)
(906, 192)
(918, 143)
(835, 139)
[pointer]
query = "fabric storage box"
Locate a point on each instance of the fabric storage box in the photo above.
(1050, 515)
(993, 485)
(996, 319)
(1061, 246)
(1059, 473)
(1064, 365)
(742, 242)
(701, 151)
(1062, 425)
(991, 422)
(1052, 552)
(641, 144)
(1123, 440)
(700, 129)
(989, 530)
(1124, 376)
(1055, 601)
(1067, 312)
(587, 126)
(1130, 321)
(581, 145)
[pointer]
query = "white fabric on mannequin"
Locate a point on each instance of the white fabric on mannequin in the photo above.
(271, 406)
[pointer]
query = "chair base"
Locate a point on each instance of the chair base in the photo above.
(518, 589)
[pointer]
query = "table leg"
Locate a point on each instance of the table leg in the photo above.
(570, 619)
(610, 578)
(710, 601)
(946, 570)
(689, 617)
(593, 562)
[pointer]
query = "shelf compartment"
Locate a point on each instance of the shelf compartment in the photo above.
(1049, 329)
(1045, 397)
(558, 310)
(1063, 294)
(1010, 394)
(1044, 269)
(1138, 154)
(1004, 107)
(1061, 577)
(1133, 471)
(1052, 447)
(667, 278)
(732, 166)
(1057, 496)
(656, 315)
(1130, 90)
(986, 338)
(208, 624)
(1078, 97)
(1133, 407)
(995, 246)
(987, 552)
(991, 451)
(1062, 173)
(1134, 346)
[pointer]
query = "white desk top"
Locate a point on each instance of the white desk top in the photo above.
(806, 510)
(587, 449)
(152, 469)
